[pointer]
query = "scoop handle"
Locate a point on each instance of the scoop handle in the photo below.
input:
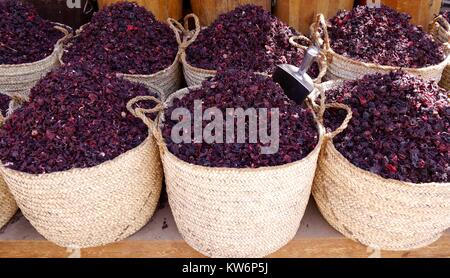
(310, 55)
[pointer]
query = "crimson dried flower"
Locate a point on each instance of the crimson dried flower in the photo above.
(64, 126)
(383, 36)
(247, 38)
(298, 132)
(127, 38)
(402, 131)
(4, 103)
(25, 36)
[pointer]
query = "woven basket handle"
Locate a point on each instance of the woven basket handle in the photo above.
(182, 33)
(142, 112)
(16, 102)
(320, 24)
(19, 100)
(344, 124)
(177, 28)
(67, 30)
(438, 22)
(68, 34)
(190, 39)
(321, 60)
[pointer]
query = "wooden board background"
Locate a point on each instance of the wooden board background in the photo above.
(161, 239)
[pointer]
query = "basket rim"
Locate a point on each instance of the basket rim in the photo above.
(190, 67)
(181, 92)
(440, 25)
(49, 57)
(363, 172)
(194, 68)
(156, 74)
(374, 66)
(78, 171)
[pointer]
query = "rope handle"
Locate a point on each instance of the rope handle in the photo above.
(67, 30)
(16, 102)
(318, 109)
(141, 112)
(321, 60)
(152, 125)
(68, 34)
(20, 100)
(320, 23)
(177, 28)
(438, 22)
(322, 107)
(79, 30)
(294, 43)
(187, 38)
(344, 124)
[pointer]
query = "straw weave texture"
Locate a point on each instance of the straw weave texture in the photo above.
(168, 80)
(341, 67)
(377, 212)
(224, 212)
(438, 29)
(194, 76)
(94, 206)
(8, 206)
(17, 80)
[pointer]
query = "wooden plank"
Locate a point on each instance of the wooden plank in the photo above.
(162, 9)
(209, 10)
(422, 11)
(300, 14)
(305, 248)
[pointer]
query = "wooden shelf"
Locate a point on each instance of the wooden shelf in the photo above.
(315, 239)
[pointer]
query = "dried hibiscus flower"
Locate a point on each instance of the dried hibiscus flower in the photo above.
(127, 38)
(298, 132)
(383, 36)
(25, 36)
(76, 118)
(400, 127)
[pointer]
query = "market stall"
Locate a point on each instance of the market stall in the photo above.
(146, 100)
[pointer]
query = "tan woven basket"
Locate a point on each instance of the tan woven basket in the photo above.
(341, 67)
(8, 206)
(17, 80)
(195, 76)
(94, 206)
(438, 29)
(169, 79)
(224, 212)
(378, 212)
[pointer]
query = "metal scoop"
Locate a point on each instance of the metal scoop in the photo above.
(296, 82)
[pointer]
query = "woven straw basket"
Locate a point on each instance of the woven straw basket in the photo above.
(195, 76)
(8, 206)
(94, 206)
(169, 79)
(378, 212)
(17, 80)
(225, 212)
(438, 30)
(341, 67)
